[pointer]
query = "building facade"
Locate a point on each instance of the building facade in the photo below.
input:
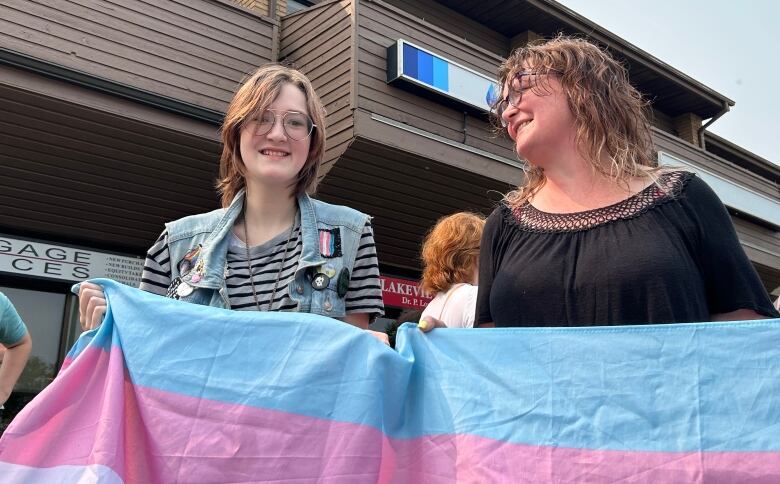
(111, 110)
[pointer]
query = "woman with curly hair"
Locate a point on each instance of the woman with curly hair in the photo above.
(599, 234)
(450, 256)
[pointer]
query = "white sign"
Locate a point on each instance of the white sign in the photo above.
(409, 63)
(23, 257)
(732, 194)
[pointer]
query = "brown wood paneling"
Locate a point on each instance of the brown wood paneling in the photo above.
(771, 279)
(763, 242)
(324, 53)
(331, 20)
(194, 51)
(380, 25)
(459, 25)
(762, 246)
(70, 172)
(464, 157)
(259, 6)
(388, 21)
(406, 194)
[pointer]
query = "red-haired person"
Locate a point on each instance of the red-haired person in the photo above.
(271, 247)
(450, 255)
(599, 234)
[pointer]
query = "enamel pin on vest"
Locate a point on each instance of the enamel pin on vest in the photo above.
(320, 281)
(189, 260)
(191, 267)
(184, 289)
(328, 270)
(342, 285)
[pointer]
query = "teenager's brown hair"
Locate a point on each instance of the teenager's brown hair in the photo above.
(254, 95)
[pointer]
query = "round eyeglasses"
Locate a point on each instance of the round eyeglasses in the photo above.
(296, 125)
(515, 95)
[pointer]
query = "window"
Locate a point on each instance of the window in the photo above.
(42, 312)
(296, 5)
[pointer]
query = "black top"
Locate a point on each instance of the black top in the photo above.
(668, 254)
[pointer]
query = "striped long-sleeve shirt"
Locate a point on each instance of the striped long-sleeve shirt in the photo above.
(267, 263)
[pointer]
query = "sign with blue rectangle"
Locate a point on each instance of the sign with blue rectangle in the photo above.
(411, 64)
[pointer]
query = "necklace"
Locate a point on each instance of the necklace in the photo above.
(278, 273)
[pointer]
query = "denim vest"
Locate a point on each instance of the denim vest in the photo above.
(331, 236)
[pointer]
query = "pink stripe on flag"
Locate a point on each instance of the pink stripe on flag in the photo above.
(87, 418)
(66, 363)
(468, 458)
(149, 435)
(224, 442)
(161, 436)
(325, 241)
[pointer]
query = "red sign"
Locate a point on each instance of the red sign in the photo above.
(403, 293)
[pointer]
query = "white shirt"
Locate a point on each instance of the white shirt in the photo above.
(456, 307)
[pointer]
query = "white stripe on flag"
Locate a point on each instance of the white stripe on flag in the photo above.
(70, 474)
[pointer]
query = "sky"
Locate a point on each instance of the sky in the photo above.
(726, 45)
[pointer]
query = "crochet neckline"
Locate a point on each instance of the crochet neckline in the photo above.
(668, 187)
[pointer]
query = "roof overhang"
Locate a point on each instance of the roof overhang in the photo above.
(670, 90)
(742, 157)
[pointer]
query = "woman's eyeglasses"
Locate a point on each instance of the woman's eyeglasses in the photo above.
(515, 94)
(296, 125)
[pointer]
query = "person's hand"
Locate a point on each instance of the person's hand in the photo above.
(4, 396)
(92, 305)
(427, 323)
(380, 336)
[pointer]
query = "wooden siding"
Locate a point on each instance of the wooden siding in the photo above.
(771, 279)
(196, 51)
(406, 194)
(319, 42)
(380, 25)
(263, 7)
(259, 6)
(455, 23)
(762, 244)
(72, 173)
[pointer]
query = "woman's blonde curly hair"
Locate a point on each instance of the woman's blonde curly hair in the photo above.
(609, 112)
(450, 251)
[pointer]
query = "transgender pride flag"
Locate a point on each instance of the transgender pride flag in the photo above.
(170, 392)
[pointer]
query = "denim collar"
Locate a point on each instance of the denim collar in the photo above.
(214, 248)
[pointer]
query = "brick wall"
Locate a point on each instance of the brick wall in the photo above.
(687, 126)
